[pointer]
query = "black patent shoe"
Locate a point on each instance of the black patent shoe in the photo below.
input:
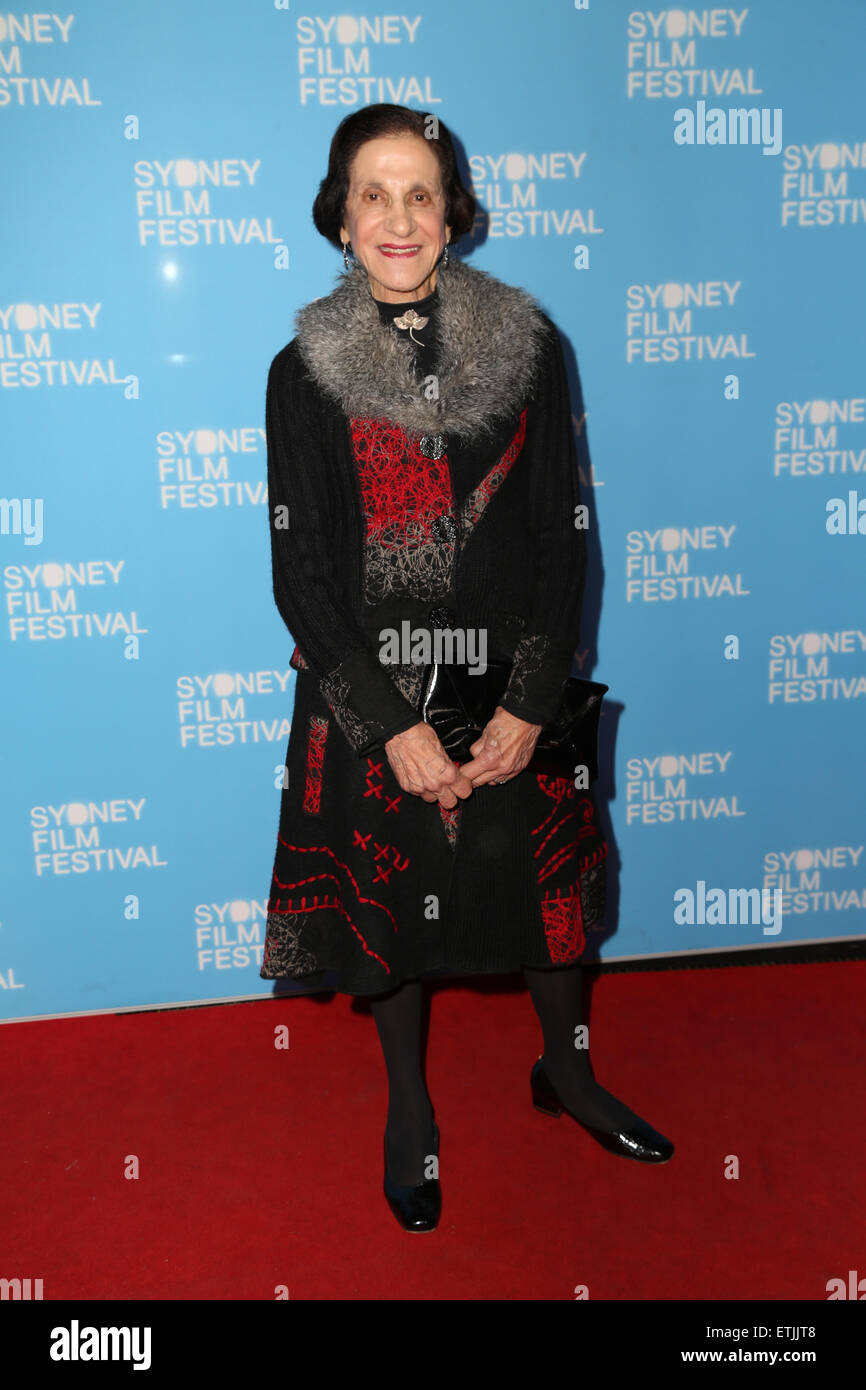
(417, 1208)
(639, 1141)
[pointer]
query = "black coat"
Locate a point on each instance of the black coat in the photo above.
(371, 885)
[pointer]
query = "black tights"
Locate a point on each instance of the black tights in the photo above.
(409, 1130)
(558, 998)
(557, 995)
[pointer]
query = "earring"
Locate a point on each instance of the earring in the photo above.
(345, 257)
(445, 255)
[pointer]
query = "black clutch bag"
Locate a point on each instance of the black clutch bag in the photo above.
(457, 705)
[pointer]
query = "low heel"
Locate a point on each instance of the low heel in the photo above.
(637, 1140)
(545, 1106)
(544, 1098)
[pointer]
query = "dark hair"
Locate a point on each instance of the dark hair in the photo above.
(368, 124)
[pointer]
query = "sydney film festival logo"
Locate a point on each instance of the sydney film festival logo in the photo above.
(56, 344)
(670, 563)
(79, 837)
(222, 708)
(685, 321)
(817, 878)
(28, 40)
(533, 194)
(670, 788)
(59, 600)
(199, 202)
(208, 468)
(816, 667)
(823, 184)
(341, 57)
(820, 437)
(678, 53)
(230, 935)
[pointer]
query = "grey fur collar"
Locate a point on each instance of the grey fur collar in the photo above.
(491, 335)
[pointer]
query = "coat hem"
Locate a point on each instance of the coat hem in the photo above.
(323, 982)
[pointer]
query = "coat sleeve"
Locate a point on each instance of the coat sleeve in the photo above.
(544, 654)
(307, 586)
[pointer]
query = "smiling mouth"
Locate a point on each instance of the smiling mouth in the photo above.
(399, 250)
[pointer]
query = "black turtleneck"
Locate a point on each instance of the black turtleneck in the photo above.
(423, 340)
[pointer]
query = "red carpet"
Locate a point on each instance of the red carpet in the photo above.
(261, 1168)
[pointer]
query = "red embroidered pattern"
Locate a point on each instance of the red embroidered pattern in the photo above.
(563, 927)
(451, 822)
(402, 494)
(562, 911)
(375, 781)
(562, 790)
(334, 899)
(384, 853)
(409, 507)
(475, 504)
(317, 733)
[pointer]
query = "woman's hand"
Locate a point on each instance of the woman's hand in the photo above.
(422, 767)
(504, 749)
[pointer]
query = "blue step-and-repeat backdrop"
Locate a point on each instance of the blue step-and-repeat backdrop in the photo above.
(684, 191)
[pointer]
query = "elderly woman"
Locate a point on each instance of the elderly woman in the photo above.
(422, 479)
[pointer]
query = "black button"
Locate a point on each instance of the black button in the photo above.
(514, 620)
(444, 527)
(432, 446)
(443, 617)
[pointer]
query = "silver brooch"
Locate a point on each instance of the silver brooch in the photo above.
(411, 320)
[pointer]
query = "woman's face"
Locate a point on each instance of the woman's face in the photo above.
(396, 200)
